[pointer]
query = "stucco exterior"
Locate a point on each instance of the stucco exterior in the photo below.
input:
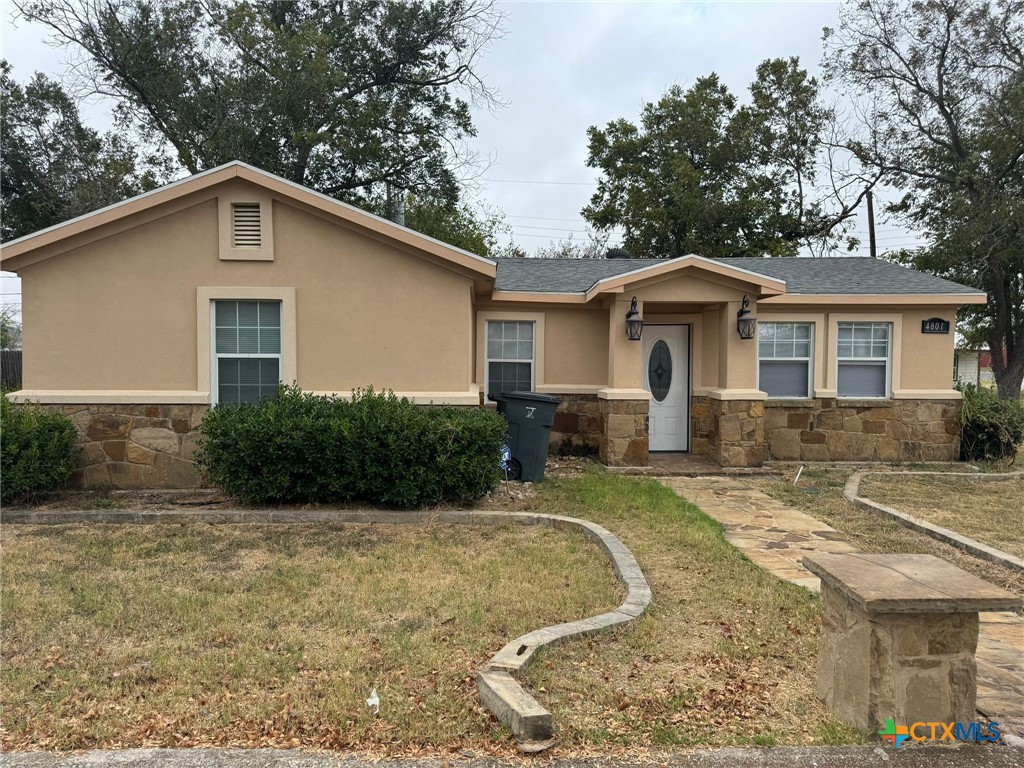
(117, 310)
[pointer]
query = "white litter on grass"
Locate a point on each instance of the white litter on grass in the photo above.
(798, 473)
(881, 754)
(374, 702)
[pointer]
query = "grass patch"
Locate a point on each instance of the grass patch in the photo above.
(990, 512)
(726, 655)
(194, 635)
(273, 636)
(870, 531)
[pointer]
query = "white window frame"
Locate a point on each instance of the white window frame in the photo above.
(218, 356)
(206, 325)
(488, 359)
(809, 359)
(887, 360)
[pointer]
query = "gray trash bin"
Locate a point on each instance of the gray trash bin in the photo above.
(529, 416)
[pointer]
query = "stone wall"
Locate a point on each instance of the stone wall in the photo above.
(624, 442)
(135, 446)
(700, 424)
(825, 429)
(736, 433)
(911, 667)
(578, 427)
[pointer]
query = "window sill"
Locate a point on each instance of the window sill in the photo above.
(789, 402)
(865, 402)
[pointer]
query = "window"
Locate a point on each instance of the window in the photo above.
(245, 225)
(247, 350)
(863, 355)
(784, 359)
(509, 356)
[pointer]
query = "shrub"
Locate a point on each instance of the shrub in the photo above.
(991, 429)
(36, 448)
(375, 448)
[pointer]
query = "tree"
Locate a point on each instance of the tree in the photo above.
(473, 230)
(347, 98)
(10, 328)
(52, 168)
(594, 247)
(704, 174)
(942, 84)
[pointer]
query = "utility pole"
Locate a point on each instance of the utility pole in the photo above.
(871, 225)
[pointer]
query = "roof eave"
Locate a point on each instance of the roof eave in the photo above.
(954, 299)
(12, 250)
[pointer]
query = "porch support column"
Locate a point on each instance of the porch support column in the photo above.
(737, 358)
(736, 437)
(624, 402)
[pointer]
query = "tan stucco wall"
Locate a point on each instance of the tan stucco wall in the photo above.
(572, 346)
(576, 346)
(921, 363)
(689, 287)
(120, 313)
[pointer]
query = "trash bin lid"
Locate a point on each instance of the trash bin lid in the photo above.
(535, 397)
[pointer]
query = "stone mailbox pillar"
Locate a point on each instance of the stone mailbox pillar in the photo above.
(898, 637)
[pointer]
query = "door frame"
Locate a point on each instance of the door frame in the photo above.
(688, 395)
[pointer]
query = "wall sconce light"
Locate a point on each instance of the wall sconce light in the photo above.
(634, 323)
(745, 326)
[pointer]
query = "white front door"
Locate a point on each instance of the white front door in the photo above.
(667, 378)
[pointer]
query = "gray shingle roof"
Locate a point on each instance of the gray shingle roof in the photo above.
(834, 275)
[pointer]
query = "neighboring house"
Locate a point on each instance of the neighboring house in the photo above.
(967, 366)
(213, 289)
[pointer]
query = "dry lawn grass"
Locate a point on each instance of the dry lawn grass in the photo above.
(820, 493)
(169, 635)
(725, 655)
(274, 636)
(991, 512)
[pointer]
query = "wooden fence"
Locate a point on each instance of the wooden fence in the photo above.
(10, 369)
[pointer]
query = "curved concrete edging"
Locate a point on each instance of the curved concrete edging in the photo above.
(851, 492)
(499, 690)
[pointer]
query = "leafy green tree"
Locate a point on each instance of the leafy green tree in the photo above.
(348, 98)
(475, 230)
(53, 168)
(704, 174)
(942, 84)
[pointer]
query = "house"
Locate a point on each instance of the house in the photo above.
(967, 367)
(140, 316)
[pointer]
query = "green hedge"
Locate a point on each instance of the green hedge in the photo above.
(36, 449)
(374, 448)
(991, 429)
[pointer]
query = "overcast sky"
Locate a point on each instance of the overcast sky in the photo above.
(562, 67)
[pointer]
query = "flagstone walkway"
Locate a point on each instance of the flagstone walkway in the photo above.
(777, 536)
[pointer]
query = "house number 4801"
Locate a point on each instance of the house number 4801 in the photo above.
(935, 325)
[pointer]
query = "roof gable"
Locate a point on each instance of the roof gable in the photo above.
(12, 253)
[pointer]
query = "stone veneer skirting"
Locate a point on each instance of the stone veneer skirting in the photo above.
(616, 430)
(826, 429)
(736, 436)
(134, 446)
(578, 426)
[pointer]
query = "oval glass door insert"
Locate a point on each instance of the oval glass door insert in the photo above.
(659, 370)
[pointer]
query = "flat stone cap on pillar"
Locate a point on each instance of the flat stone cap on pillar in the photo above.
(908, 584)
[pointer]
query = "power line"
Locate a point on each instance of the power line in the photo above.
(539, 181)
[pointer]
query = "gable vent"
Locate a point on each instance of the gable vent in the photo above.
(245, 225)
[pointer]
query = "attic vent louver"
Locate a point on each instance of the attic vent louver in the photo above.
(245, 225)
